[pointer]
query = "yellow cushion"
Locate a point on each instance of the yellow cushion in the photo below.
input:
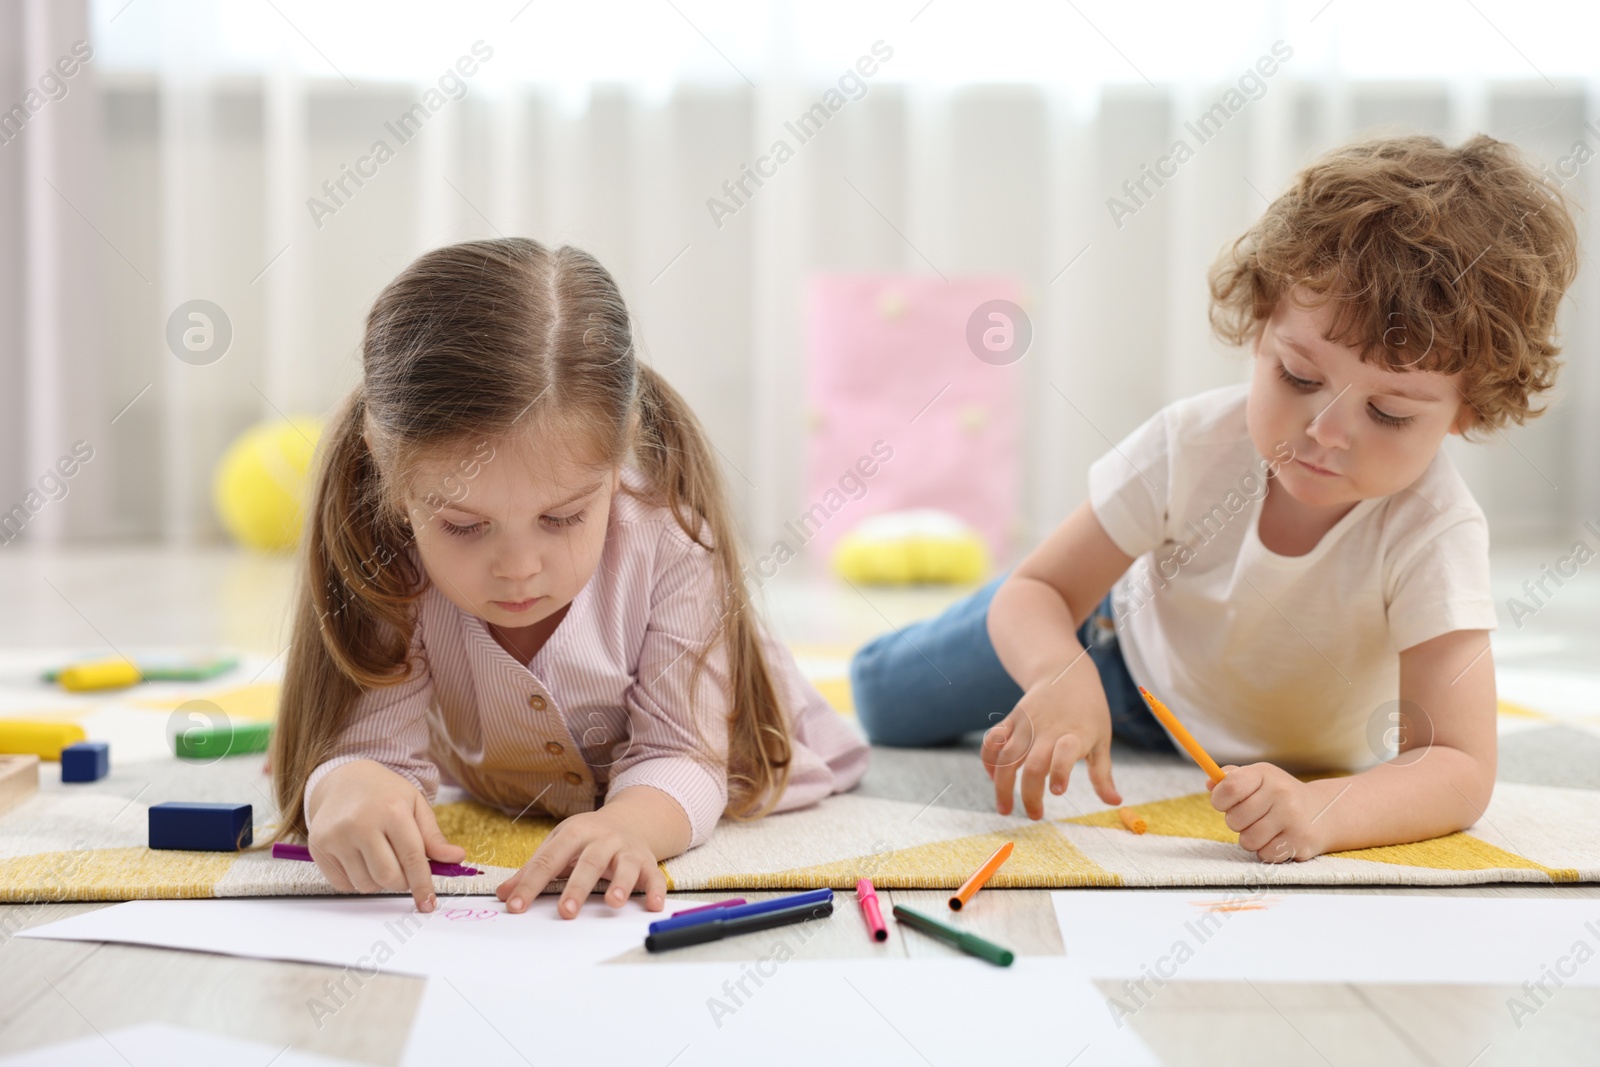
(912, 547)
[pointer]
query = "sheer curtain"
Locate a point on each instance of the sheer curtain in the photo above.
(52, 330)
(195, 157)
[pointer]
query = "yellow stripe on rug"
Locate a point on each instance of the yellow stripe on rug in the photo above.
(112, 874)
(1188, 816)
(1193, 816)
(1517, 711)
(1459, 851)
(1043, 858)
(491, 836)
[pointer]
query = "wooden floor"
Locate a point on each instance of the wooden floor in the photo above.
(57, 991)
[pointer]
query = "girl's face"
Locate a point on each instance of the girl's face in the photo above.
(1357, 430)
(513, 532)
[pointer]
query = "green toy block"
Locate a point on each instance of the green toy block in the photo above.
(212, 742)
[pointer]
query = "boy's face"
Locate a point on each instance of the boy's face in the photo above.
(522, 524)
(1358, 430)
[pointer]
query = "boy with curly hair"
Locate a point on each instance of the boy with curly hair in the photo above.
(1293, 565)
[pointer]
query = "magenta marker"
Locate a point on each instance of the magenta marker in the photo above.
(734, 903)
(282, 850)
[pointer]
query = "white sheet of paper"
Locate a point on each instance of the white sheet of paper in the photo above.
(161, 1045)
(369, 933)
(804, 1012)
(498, 982)
(1326, 937)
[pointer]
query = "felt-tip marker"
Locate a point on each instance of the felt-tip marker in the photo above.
(720, 927)
(816, 896)
(868, 898)
(968, 943)
(282, 850)
(733, 903)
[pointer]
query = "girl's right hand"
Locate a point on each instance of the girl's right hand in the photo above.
(1059, 720)
(370, 830)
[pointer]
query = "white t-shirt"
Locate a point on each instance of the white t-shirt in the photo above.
(1292, 660)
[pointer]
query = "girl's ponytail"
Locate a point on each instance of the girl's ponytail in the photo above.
(352, 619)
(675, 456)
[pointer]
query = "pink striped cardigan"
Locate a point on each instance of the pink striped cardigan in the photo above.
(605, 703)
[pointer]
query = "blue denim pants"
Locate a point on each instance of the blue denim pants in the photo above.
(941, 678)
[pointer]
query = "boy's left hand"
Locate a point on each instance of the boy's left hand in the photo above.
(585, 848)
(1271, 810)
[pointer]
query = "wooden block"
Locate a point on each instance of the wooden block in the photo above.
(21, 737)
(19, 780)
(200, 827)
(86, 761)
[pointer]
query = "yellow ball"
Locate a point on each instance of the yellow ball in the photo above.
(262, 482)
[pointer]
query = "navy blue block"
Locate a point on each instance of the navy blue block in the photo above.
(86, 761)
(200, 827)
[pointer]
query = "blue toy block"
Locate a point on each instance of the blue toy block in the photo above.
(86, 761)
(200, 827)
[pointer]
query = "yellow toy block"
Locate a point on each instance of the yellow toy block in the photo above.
(24, 737)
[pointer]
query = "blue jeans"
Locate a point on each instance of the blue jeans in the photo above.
(941, 678)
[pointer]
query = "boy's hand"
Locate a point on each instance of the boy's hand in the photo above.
(584, 848)
(370, 831)
(1271, 810)
(1056, 723)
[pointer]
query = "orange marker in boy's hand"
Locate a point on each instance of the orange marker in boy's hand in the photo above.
(1190, 745)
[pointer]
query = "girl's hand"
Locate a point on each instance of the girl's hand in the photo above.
(585, 848)
(1271, 810)
(370, 830)
(1056, 723)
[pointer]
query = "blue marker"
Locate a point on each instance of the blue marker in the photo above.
(717, 928)
(760, 907)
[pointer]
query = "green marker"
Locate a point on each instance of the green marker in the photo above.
(170, 669)
(970, 943)
(208, 742)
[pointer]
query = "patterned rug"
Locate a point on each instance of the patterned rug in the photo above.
(922, 818)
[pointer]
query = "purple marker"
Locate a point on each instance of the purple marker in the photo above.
(282, 850)
(735, 902)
